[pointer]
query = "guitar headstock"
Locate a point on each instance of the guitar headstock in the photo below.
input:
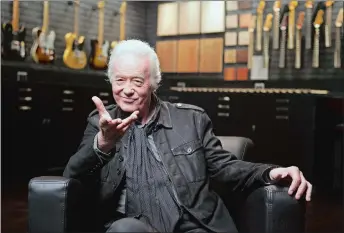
(300, 20)
(277, 5)
(268, 22)
(329, 3)
(261, 7)
(292, 5)
(309, 4)
(77, 2)
(123, 8)
(284, 22)
(319, 19)
(101, 4)
(339, 20)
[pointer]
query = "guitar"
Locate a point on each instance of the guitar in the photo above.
(309, 12)
(266, 29)
(260, 11)
(291, 24)
(122, 13)
(328, 24)
(284, 26)
(317, 24)
(100, 48)
(339, 24)
(13, 43)
(277, 17)
(298, 49)
(251, 39)
(42, 50)
(74, 55)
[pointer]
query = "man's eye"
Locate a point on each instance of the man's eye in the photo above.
(138, 82)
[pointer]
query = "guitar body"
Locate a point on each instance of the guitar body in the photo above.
(99, 54)
(43, 50)
(74, 56)
(13, 43)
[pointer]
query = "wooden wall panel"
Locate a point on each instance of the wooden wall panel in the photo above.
(230, 74)
(231, 21)
(213, 16)
(189, 17)
(211, 55)
(231, 38)
(230, 56)
(167, 19)
(167, 54)
(188, 56)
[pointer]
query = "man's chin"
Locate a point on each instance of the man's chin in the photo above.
(127, 107)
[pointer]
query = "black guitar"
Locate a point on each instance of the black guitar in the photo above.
(13, 42)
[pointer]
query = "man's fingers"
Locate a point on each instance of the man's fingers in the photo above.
(309, 191)
(295, 175)
(100, 106)
(302, 188)
(127, 121)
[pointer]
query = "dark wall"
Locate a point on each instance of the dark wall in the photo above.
(62, 20)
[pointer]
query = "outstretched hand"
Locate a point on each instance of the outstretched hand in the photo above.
(111, 129)
(299, 184)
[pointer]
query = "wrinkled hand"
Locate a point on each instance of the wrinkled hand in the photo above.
(111, 129)
(298, 184)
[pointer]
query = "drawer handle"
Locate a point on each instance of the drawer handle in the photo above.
(224, 98)
(285, 101)
(24, 108)
(282, 118)
(67, 100)
(104, 94)
(221, 106)
(67, 109)
(25, 89)
(26, 98)
(68, 92)
(21, 76)
(282, 109)
(223, 114)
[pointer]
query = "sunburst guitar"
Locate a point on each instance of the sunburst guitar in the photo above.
(74, 55)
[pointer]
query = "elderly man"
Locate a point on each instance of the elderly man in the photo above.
(153, 160)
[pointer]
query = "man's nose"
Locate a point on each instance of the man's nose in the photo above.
(128, 90)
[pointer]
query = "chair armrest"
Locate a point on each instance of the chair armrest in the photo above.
(54, 205)
(271, 209)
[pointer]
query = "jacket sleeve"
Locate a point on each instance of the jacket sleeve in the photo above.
(86, 162)
(223, 166)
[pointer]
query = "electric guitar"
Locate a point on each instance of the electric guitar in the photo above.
(122, 13)
(42, 50)
(317, 24)
(291, 24)
(266, 29)
(284, 26)
(251, 39)
(328, 24)
(13, 42)
(309, 12)
(337, 53)
(74, 55)
(260, 11)
(277, 18)
(100, 48)
(298, 48)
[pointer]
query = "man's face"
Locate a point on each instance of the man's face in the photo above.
(131, 86)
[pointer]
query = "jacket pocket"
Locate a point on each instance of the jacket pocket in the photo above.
(191, 161)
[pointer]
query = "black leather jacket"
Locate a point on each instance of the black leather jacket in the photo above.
(191, 154)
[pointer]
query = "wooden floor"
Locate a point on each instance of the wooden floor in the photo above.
(324, 214)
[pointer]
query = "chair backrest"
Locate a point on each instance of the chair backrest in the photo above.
(236, 145)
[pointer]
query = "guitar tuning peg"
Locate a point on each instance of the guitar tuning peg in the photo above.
(70, 3)
(115, 13)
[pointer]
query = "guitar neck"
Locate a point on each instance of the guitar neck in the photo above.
(122, 21)
(316, 48)
(337, 55)
(308, 36)
(45, 16)
(291, 28)
(101, 26)
(15, 15)
(328, 31)
(259, 31)
(281, 63)
(276, 30)
(298, 49)
(76, 18)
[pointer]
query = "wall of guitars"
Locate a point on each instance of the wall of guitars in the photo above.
(74, 34)
(251, 40)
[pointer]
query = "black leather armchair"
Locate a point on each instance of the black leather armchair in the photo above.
(57, 204)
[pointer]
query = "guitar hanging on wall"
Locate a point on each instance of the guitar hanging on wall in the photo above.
(319, 19)
(13, 43)
(298, 40)
(42, 50)
(338, 43)
(74, 55)
(122, 13)
(100, 48)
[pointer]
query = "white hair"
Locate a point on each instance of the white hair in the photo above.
(137, 48)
